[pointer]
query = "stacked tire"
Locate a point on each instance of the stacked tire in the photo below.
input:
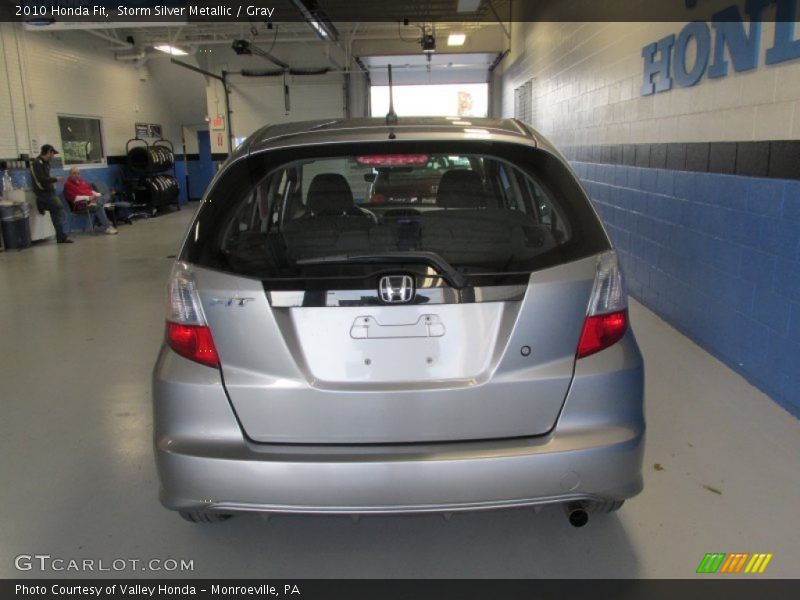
(147, 164)
(146, 159)
(163, 189)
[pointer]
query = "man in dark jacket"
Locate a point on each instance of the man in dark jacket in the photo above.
(45, 189)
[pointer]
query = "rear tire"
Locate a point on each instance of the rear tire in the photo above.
(200, 516)
(607, 506)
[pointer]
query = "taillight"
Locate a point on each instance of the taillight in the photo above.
(187, 331)
(193, 342)
(601, 331)
(607, 316)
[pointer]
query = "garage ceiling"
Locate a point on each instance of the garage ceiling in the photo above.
(210, 34)
(357, 22)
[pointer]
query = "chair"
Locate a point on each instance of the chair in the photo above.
(80, 208)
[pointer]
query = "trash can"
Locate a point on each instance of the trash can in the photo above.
(15, 225)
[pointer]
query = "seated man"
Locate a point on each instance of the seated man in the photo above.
(79, 190)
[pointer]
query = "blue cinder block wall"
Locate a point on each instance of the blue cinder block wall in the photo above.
(112, 175)
(718, 257)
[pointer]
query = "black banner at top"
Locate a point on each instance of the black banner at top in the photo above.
(48, 12)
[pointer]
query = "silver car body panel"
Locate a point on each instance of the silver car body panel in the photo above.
(303, 377)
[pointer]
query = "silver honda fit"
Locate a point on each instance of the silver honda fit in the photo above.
(371, 317)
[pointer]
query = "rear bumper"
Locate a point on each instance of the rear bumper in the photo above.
(483, 477)
(594, 453)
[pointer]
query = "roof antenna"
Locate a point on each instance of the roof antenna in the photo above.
(391, 116)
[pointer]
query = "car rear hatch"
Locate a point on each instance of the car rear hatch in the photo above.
(311, 348)
(396, 374)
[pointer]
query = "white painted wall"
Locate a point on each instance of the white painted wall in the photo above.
(46, 74)
(259, 101)
(12, 96)
(359, 94)
(588, 77)
(184, 90)
(191, 145)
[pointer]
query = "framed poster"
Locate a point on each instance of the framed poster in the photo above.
(142, 130)
(155, 130)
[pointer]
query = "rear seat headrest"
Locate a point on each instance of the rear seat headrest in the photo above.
(460, 189)
(329, 194)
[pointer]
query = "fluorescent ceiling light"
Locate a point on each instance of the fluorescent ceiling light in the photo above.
(456, 39)
(319, 29)
(170, 50)
(468, 5)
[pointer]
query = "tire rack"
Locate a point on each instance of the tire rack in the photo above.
(150, 176)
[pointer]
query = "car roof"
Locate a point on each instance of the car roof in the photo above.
(326, 131)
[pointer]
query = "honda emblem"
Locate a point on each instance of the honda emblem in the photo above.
(396, 289)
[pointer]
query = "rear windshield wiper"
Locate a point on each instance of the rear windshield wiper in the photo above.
(445, 269)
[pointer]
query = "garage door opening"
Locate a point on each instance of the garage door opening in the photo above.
(446, 100)
(445, 85)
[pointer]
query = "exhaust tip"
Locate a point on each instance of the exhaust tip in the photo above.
(576, 514)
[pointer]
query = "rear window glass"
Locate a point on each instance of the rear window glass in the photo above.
(482, 214)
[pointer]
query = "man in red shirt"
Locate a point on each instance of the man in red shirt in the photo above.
(77, 190)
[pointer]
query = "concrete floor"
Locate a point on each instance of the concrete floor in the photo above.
(79, 329)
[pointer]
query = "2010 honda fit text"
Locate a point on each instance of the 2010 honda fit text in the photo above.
(458, 345)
